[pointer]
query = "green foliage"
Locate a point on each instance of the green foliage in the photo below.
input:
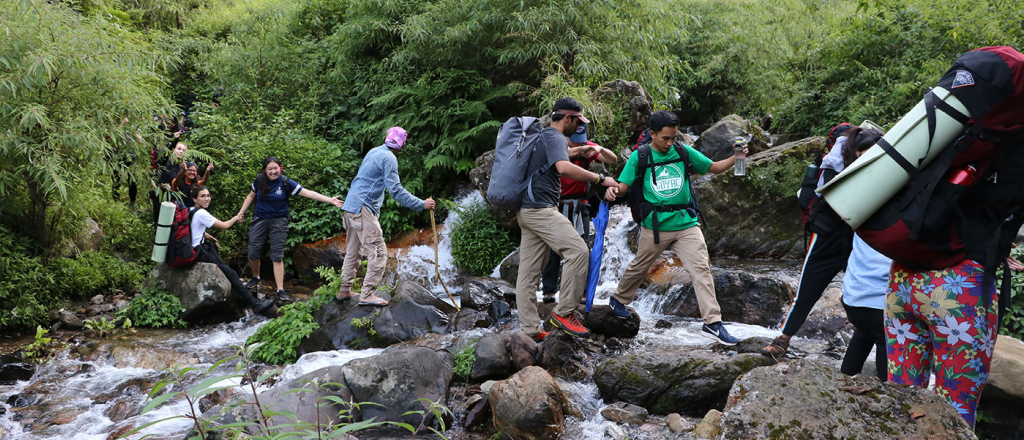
(366, 323)
(124, 230)
(278, 339)
(41, 348)
(95, 272)
(101, 326)
(1013, 321)
(154, 308)
(464, 362)
(24, 284)
(479, 242)
(777, 178)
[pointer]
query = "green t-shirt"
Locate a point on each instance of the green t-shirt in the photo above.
(672, 189)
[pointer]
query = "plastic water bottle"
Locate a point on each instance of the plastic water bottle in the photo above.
(740, 169)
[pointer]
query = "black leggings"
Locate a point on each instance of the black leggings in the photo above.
(826, 256)
(207, 253)
(869, 331)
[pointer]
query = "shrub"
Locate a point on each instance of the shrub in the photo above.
(154, 308)
(280, 337)
(94, 272)
(464, 362)
(479, 242)
(124, 230)
(24, 280)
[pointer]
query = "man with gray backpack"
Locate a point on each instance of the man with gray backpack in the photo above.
(528, 166)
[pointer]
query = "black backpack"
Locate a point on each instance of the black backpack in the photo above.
(640, 208)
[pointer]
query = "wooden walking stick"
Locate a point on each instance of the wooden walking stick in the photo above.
(437, 266)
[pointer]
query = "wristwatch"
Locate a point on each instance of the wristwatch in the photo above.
(600, 178)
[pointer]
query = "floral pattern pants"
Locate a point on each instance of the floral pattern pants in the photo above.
(938, 321)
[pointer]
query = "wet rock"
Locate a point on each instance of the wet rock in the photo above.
(710, 427)
(508, 269)
(690, 383)
(1007, 370)
(801, 399)
(329, 252)
(662, 324)
(13, 369)
(828, 316)
(499, 312)
(396, 379)
(747, 218)
(479, 292)
(492, 359)
(530, 405)
(468, 319)
(565, 356)
(121, 411)
(100, 309)
(323, 383)
(748, 345)
(743, 297)
(150, 357)
(716, 142)
(615, 432)
(678, 424)
(413, 311)
(602, 320)
(523, 350)
(98, 299)
(203, 290)
(478, 413)
(622, 412)
(70, 320)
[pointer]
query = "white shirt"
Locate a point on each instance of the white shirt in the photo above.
(201, 220)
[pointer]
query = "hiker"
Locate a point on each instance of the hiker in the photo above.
(573, 201)
(207, 247)
(165, 170)
(864, 284)
(673, 219)
(187, 178)
(377, 172)
(544, 229)
(271, 190)
(830, 244)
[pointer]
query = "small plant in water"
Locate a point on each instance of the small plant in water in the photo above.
(40, 348)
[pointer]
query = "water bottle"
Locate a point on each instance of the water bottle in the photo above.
(740, 169)
(963, 176)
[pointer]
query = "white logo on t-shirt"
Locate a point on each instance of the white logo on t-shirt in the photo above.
(670, 181)
(279, 191)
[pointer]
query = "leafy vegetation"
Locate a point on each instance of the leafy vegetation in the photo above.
(154, 308)
(479, 241)
(278, 339)
(464, 362)
(41, 347)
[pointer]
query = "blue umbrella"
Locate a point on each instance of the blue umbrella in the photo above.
(600, 224)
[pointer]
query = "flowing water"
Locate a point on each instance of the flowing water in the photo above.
(98, 386)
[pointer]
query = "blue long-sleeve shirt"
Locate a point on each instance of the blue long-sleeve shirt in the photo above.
(379, 171)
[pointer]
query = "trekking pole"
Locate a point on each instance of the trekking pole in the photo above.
(437, 266)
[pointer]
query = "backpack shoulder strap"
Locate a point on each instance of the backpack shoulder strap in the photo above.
(684, 156)
(643, 162)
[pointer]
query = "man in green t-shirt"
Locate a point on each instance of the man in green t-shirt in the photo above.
(667, 184)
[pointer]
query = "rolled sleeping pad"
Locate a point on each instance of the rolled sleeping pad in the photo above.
(861, 189)
(163, 232)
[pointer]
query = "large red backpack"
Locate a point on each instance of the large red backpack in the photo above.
(180, 251)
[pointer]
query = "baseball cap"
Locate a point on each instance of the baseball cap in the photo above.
(580, 136)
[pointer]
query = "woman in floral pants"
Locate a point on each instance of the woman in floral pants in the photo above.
(942, 321)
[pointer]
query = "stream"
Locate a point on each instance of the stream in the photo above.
(94, 389)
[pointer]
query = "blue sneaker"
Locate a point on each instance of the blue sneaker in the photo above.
(620, 310)
(717, 332)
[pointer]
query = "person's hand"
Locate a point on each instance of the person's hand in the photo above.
(429, 203)
(166, 186)
(611, 193)
(217, 243)
(1014, 264)
(177, 134)
(336, 201)
(209, 167)
(610, 182)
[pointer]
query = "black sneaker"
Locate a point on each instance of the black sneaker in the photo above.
(261, 306)
(549, 297)
(282, 295)
(253, 283)
(717, 332)
(620, 310)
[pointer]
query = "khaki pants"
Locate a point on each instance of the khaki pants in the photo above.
(689, 246)
(363, 230)
(546, 229)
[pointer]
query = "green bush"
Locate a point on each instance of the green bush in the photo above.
(479, 242)
(123, 230)
(95, 272)
(280, 337)
(24, 282)
(464, 362)
(154, 308)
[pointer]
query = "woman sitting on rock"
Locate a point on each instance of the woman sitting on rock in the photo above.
(207, 247)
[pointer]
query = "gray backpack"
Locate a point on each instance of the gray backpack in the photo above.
(517, 140)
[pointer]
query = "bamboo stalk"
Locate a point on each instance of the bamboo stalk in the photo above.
(437, 265)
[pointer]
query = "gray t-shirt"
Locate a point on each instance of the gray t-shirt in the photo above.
(547, 186)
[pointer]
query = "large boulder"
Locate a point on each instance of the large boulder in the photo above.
(90, 238)
(395, 379)
(802, 399)
(1004, 395)
(413, 311)
(307, 257)
(742, 296)
(479, 292)
(205, 293)
(530, 405)
(567, 356)
(603, 321)
(756, 216)
(13, 369)
(716, 142)
(631, 98)
(492, 359)
(689, 383)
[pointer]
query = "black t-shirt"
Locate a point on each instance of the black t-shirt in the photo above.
(547, 186)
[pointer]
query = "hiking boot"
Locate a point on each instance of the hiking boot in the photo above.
(539, 337)
(570, 324)
(777, 348)
(549, 297)
(620, 310)
(261, 306)
(282, 295)
(252, 284)
(717, 332)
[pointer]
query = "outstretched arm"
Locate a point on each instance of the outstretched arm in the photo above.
(725, 164)
(397, 191)
(245, 205)
(310, 194)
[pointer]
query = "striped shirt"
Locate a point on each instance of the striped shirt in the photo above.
(379, 171)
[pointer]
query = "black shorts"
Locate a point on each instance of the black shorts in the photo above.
(260, 229)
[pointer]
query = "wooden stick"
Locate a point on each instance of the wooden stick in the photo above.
(437, 266)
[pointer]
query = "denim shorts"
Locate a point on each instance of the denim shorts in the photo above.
(260, 229)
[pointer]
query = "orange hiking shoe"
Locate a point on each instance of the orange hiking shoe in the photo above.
(539, 337)
(570, 324)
